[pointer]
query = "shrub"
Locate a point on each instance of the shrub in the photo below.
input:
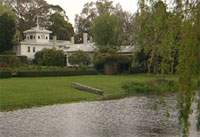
(166, 85)
(99, 57)
(157, 86)
(9, 61)
(50, 57)
(80, 58)
(112, 61)
(23, 59)
(38, 57)
(136, 88)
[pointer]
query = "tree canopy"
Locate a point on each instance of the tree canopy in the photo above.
(106, 30)
(90, 11)
(170, 35)
(61, 27)
(7, 28)
(27, 10)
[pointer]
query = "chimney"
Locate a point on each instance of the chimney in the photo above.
(85, 38)
(72, 40)
(54, 41)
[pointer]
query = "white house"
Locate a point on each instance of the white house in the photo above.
(35, 40)
(38, 38)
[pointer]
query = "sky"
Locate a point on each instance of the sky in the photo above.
(73, 7)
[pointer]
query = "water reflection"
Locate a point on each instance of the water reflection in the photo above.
(130, 117)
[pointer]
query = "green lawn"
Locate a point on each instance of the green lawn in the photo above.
(28, 92)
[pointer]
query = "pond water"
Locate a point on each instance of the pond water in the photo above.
(129, 117)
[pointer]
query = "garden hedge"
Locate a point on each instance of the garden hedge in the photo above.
(55, 73)
(140, 69)
(5, 75)
(23, 59)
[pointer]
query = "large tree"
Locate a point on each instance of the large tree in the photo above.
(189, 61)
(156, 34)
(27, 10)
(126, 20)
(7, 28)
(168, 33)
(83, 22)
(60, 27)
(106, 30)
(90, 11)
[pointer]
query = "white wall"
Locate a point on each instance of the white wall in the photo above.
(30, 55)
(37, 37)
(42, 37)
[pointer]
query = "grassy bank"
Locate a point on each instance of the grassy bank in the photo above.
(18, 93)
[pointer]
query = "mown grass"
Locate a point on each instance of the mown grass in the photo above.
(18, 93)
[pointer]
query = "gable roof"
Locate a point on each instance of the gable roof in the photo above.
(37, 30)
(89, 47)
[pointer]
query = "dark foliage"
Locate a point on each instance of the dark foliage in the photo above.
(61, 27)
(10, 61)
(80, 58)
(50, 57)
(157, 86)
(110, 59)
(7, 31)
(5, 75)
(56, 73)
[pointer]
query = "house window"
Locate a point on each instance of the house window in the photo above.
(31, 36)
(33, 49)
(38, 37)
(34, 37)
(46, 37)
(29, 49)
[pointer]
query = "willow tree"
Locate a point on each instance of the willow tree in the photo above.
(181, 41)
(189, 55)
(152, 21)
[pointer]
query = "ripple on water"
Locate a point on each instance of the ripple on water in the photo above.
(129, 117)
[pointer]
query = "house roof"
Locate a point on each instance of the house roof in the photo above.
(127, 49)
(35, 43)
(37, 30)
(89, 47)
